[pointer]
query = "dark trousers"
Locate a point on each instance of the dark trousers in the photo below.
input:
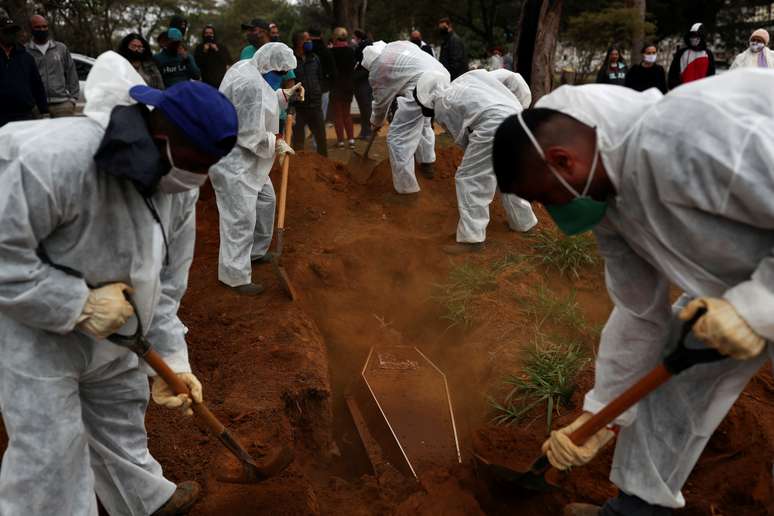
(364, 96)
(628, 505)
(313, 119)
(17, 117)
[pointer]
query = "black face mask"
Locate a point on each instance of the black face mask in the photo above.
(254, 39)
(275, 39)
(429, 113)
(417, 42)
(173, 46)
(443, 31)
(209, 39)
(135, 55)
(40, 36)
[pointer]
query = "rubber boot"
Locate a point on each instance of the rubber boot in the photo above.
(464, 248)
(427, 170)
(581, 509)
(183, 499)
(250, 289)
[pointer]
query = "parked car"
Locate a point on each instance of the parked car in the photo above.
(83, 66)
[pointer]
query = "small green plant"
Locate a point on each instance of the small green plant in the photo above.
(548, 376)
(543, 305)
(464, 283)
(568, 255)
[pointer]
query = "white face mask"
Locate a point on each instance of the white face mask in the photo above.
(178, 180)
(756, 46)
(649, 58)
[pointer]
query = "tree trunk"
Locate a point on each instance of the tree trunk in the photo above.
(524, 44)
(545, 47)
(638, 37)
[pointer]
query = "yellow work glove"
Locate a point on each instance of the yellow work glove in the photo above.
(106, 310)
(723, 328)
(163, 395)
(562, 453)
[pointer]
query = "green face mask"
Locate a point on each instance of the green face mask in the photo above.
(582, 213)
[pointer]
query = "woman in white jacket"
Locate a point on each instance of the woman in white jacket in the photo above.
(758, 54)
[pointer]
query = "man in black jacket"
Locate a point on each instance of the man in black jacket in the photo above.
(453, 54)
(21, 88)
(363, 93)
(328, 66)
(309, 112)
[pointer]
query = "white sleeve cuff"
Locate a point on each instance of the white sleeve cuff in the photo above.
(591, 404)
(755, 304)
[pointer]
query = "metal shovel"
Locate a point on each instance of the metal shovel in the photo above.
(274, 462)
(542, 477)
(360, 165)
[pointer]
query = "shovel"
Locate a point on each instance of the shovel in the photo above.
(542, 477)
(360, 165)
(287, 286)
(252, 473)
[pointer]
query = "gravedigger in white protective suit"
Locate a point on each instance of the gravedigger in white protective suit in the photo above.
(394, 70)
(670, 202)
(471, 109)
(92, 209)
(244, 192)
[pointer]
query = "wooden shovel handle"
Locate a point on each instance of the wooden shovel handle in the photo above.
(179, 387)
(283, 194)
(621, 404)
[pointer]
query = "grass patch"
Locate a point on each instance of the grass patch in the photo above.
(548, 377)
(566, 254)
(464, 283)
(544, 306)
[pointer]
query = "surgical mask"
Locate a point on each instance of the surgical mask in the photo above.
(694, 42)
(756, 46)
(274, 79)
(308, 46)
(178, 180)
(40, 35)
(582, 213)
(649, 58)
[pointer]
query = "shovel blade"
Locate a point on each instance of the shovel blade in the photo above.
(533, 479)
(251, 472)
(361, 167)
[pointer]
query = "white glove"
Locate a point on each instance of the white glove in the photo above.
(563, 453)
(295, 92)
(106, 310)
(163, 395)
(282, 148)
(723, 328)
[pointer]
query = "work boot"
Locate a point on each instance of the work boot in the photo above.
(463, 248)
(182, 500)
(249, 289)
(427, 170)
(266, 258)
(581, 509)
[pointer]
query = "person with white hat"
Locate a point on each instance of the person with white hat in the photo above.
(758, 54)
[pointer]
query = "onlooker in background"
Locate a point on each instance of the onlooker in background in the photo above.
(308, 112)
(496, 60)
(363, 94)
(56, 68)
(416, 38)
(343, 89)
(274, 32)
(162, 40)
(135, 49)
(257, 33)
(179, 23)
(692, 62)
(648, 74)
(20, 86)
(453, 55)
(508, 61)
(176, 64)
(757, 54)
(328, 66)
(212, 58)
(613, 70)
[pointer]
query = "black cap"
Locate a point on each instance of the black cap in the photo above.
(256, 23)
(8, 25)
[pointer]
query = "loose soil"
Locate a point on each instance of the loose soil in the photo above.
(367, 263)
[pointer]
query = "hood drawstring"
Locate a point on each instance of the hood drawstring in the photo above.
(157, 218)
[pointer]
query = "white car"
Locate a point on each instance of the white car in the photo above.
(83, 66)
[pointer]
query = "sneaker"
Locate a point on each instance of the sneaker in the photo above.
(249, 289)
(581, 509)
(463, 248)
(340, 145)
(352, 144)
(184, 497)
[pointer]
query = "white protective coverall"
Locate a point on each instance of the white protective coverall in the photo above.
(693, 208)
(244, 192)
(73, 406)
(471, 109)
(750, 59)
(394, 74)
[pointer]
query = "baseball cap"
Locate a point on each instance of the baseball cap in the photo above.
(206, 117)
(174, 35)
(8, 25)
(256, 23)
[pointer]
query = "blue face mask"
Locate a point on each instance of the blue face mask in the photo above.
(308, 46)
(274, 79)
